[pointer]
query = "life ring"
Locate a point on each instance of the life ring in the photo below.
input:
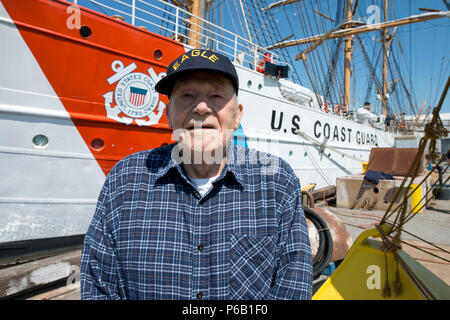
(338, 109)
(260, 66)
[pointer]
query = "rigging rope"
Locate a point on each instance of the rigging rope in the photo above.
(333, 95)
(442, 72)
(323, 145)
(278, 37)
(433, 131)
(323, 49)
(369, 65)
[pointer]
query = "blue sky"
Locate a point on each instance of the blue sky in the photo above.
(430, 44)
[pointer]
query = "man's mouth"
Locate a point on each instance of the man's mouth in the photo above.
(203, 126)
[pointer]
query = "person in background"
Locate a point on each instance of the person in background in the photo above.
(387, 121)
(364, 116)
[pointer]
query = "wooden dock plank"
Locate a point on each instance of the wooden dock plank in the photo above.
(68, 292)
(17, 279)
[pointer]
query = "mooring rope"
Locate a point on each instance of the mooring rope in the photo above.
(433, 130)
(323, 145)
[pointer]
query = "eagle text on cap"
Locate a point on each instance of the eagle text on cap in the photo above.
(195, 53)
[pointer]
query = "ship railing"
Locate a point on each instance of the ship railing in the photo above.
(179, 24)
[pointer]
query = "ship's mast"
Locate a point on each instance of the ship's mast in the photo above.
(195, 36)
(348, 58)
(385, 61)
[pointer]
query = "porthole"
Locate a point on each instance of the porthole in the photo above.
(157, 54)
(259, 86)
(85, 32)
(40, 141)
(305, 154)
(249, 83)
(291, 154)
(97, 144)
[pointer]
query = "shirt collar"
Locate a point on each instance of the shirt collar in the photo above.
(232, 166)
(168, 164)
(233, 163)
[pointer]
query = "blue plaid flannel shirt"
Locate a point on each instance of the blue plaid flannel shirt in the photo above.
(153, 236)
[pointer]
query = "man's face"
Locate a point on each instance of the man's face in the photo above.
(204, 106)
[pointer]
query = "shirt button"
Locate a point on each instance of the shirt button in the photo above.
(199, 295)
(200, 247)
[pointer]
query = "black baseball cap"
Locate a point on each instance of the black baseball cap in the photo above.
(197, 60)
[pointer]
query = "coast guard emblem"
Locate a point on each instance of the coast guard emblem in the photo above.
(134, 95)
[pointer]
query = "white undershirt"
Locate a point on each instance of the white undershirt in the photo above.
(203, 185)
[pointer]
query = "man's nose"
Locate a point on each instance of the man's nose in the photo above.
(202, 107)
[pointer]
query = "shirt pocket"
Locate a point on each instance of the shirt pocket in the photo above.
(252, 266)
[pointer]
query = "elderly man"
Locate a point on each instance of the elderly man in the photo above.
(201, 218)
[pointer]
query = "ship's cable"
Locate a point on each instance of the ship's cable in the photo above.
(433, 131)
(323, 145)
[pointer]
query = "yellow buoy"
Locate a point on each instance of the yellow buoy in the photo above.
(416, 198)
(364, 166)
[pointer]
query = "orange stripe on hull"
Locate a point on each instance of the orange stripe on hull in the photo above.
(78, 70)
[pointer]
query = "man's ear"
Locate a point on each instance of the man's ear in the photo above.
(239, 112)
(169, 119)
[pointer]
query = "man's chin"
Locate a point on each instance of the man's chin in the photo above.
(204, 152)
(205, 148)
